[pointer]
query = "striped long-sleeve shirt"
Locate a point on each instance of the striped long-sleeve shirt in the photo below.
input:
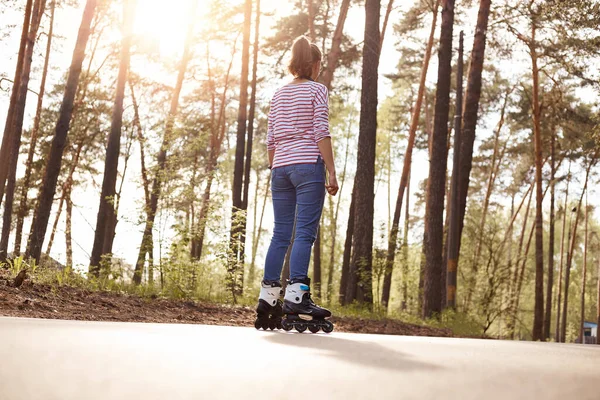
(298, 120)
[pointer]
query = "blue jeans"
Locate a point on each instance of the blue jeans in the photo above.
(298, 193)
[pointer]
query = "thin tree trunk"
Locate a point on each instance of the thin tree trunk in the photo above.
(571, 250)
(471, 106)
(334, 226)
(436, 183)
(414, 124)
(5, 148)
(386, 19)
(583, 278)
(23, 207)
(252, 269)
(336, 46)
(53, 165)
(497, 157)
(360, 282)
(65, 191)
(538, 315)
(562, 249)
(259, 230)
(217, 136)
(68, 230)
(16, 128)
(251, 114)
(404, 256)
(515, 279)
(311, 21)
(548, 311)
(145, 182)
(453, 230)
(145, 246)
(142, 141)
(105, 228)
(347, 252)
(235, 267)
(521, 276)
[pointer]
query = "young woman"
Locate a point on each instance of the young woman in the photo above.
(300, 152)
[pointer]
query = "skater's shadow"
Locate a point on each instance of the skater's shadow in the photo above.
(354, 351)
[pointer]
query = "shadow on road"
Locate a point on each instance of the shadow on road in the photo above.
(354, 351)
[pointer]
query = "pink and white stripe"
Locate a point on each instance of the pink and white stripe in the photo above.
(298, 120)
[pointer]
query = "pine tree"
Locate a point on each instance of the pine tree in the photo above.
(53, 165)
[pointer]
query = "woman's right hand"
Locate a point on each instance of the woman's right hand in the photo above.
(332, 184)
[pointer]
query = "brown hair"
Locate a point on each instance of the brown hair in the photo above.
(304, 55)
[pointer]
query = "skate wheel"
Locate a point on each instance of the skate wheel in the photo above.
(328, 327)
(272, 325)
(301, 328)
(258, 324)
(313, 328)
(286, 326)
(279, 325)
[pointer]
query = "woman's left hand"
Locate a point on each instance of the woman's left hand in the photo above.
(332, 185)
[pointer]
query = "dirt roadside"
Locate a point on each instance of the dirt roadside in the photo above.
(34, 300)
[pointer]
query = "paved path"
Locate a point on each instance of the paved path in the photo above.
(64, 360)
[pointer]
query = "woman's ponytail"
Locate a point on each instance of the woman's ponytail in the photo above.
(304, 56)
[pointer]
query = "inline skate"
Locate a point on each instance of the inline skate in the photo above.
(269, 309)
(301, 312)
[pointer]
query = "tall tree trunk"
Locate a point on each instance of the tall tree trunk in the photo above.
(16, 130)
(414, 124)
(311, 21)
(145, 181)
(386, 19)
(140, 136)
(571, 250)
(454, 230)
(538, 315)
(471, 107)
(344, 279)
(235, 267)
(360, 282)
(584, 275)
(23, 207)
(404, 255)
(251, 112)
(548, 311)
(436, 183)
(336, 46)
(146, 244)
(5, 148)
(562, 252)
(68, 230)
(105, 228)
(53, 165)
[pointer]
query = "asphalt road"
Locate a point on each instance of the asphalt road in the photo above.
(63, 360)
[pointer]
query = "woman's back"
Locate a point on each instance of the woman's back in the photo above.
(298, 120)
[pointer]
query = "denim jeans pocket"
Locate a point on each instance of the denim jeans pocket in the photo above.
(305, 169)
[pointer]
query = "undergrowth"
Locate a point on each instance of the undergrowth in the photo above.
(176, 286)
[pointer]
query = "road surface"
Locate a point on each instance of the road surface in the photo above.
(63, 360)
